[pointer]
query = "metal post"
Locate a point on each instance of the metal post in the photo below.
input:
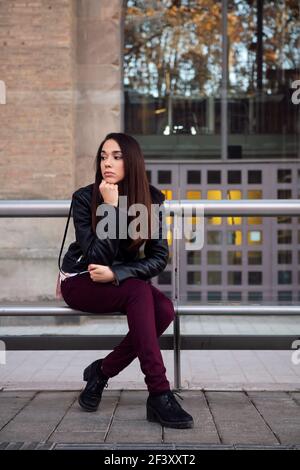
(175, 295)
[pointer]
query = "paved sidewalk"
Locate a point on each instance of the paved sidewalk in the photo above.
(204, 369)
(53, 419)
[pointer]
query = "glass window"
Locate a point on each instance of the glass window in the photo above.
(234, 296)
(284, 193)
(149, 173)
(193, 177)
(213, 295)
(284, 236)
(284, 277)
(254, 278)
(214, 237)
(193, 295)
(234, 278)
(193, 194)
(193, 277)
(254, 296)
(168, 194)
(234, 194)
(254, 194)
(254, 237)
(285, 295)
(164, 177)
(234, 177)
(213, 177)
(214, 257)
(214, 277)
(234, 257)
(234, 237)
(284, 257)
(284, 219)
(254, 177)
(284, 176)
(254, 257)
(193, 257)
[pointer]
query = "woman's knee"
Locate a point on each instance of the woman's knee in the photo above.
(136, 287)
(166, 305)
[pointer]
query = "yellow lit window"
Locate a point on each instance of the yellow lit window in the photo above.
(168, 193)
(169, 219)
(234, 237)
(193, 195)
(215, 195)
(234, 194)
(254, 194)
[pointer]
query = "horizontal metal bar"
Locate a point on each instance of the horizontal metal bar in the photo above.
(166, 342)
(45, 310)
(181, 309)
(237, 310)
(60, 208)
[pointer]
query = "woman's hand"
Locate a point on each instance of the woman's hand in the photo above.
(100, 273)
(110, 192)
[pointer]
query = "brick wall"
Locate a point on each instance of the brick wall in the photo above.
(37, 121)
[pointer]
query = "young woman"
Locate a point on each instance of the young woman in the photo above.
(106, 275)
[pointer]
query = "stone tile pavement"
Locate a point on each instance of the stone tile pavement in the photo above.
(224, 419)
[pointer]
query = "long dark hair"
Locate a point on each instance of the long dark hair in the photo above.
(135, 184)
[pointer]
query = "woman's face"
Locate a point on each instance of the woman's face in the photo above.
(112, 161)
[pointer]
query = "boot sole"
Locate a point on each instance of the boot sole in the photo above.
(154, 417)
(86, 407)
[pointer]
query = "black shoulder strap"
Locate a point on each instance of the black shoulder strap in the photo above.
(65, 234)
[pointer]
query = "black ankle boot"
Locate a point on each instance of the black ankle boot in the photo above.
(90, 397)
(166, 410)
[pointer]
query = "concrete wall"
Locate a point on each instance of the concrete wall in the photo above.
(61, 63)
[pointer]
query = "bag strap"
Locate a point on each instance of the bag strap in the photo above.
(64, 237)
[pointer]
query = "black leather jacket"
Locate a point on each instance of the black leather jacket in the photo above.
(88, 248)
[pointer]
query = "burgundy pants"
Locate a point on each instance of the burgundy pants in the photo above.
(149, 312)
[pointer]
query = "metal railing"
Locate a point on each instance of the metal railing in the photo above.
(60, 208)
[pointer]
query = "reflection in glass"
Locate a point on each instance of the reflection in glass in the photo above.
(214, 295)
(234, 278)
(214, 237)
(284, 277)
(284, 176)
(234, 237)
(214, 278)
(193, 257)
(254, 257)
(193, 277)
(234, 257)
(284, 236)
(214, 257)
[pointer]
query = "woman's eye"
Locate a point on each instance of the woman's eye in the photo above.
(116, 156)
